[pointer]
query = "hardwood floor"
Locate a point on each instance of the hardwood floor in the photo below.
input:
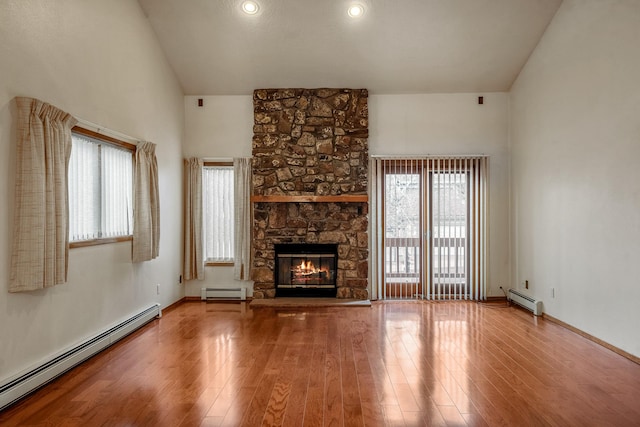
(393, 364)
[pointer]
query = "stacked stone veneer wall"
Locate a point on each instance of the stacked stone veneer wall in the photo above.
(311, 142)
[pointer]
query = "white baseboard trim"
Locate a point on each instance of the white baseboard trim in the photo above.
(14, 389)
(224, 293)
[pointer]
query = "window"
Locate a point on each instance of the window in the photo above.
(100, 189)
(218, 212)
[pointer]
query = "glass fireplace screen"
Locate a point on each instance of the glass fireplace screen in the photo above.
(306, 266)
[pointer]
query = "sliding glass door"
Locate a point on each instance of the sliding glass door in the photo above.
(433, 223)
(403, 212)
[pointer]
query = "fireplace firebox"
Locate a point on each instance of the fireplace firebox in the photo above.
(306, 269)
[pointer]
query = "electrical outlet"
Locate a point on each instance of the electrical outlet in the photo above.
(158, 288)
(526, 284)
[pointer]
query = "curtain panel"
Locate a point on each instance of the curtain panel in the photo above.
(146, 208)
(193, 265)
(40, 248)
(242, 202)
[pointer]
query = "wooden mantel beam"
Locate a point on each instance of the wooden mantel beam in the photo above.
(343, 198)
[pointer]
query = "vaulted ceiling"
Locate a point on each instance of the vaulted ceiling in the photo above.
(396, 46)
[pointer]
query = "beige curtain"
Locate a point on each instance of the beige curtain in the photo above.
(146, 205)
(242, 202)
(193, 256)
(40, 251)
(376, 232)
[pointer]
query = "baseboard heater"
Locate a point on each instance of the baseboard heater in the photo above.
(223, 293)
(37, 377)
(525, 301)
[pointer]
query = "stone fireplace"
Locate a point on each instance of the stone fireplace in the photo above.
(310, 176)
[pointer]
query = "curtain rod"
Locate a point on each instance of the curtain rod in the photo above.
(86, 124)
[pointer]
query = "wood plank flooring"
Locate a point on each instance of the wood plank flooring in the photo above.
(392, 364)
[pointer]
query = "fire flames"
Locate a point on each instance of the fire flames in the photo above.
(308, 270)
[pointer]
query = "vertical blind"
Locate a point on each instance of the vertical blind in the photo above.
(100, 190)
(117, 191)
(456, 248)
(434, 244)
(218, 213)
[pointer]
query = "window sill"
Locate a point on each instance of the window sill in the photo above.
(218, 264)
(96, 242)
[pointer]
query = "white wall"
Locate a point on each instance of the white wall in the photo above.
(575, 142)
(99, 61)
(221, 129)
(453, 124)
(398, 124)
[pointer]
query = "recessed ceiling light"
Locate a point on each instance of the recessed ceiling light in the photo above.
(355, 10)
(250, 7)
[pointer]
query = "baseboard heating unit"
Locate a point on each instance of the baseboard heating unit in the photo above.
(36, 377)
(525, 301)
(223, 293)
